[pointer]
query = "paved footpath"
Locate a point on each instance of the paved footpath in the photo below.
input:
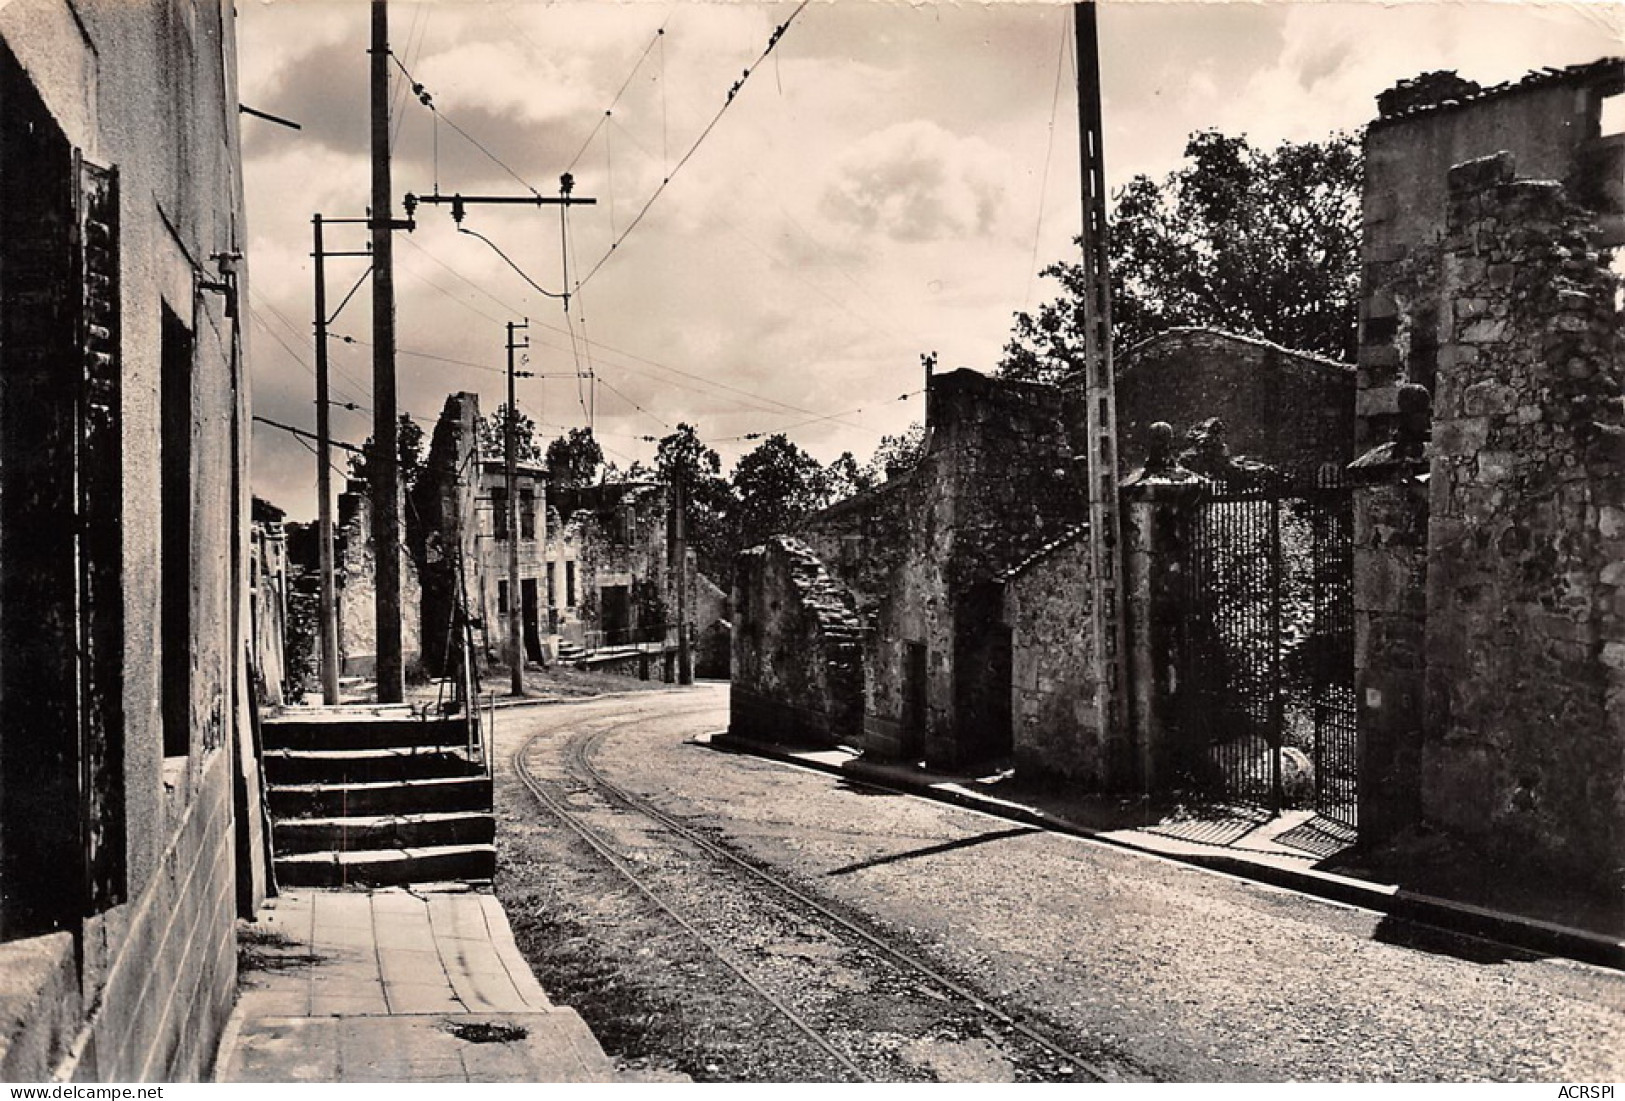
(419, 984)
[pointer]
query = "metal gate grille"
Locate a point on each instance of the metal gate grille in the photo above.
(1267, 677)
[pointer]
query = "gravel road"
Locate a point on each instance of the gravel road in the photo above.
(1161, 970)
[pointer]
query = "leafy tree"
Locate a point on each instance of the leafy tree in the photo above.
(897, 455)
(1256, 242)
(526, 449)
(634, 472)
(845, 478)
(777, 485)
(575, 459)
(681, 457)
(409, 452)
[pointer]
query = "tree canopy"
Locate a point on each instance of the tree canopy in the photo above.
(409, 453)
(776, 487)
(575, 459)
(1262, 243)
(526, 449)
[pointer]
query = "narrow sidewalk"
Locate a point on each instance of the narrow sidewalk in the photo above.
(396, 984)
(1280, 851)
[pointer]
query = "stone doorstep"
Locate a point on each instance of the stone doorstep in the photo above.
(1278, 869)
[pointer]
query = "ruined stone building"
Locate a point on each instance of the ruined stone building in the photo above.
(1489, 585)
(880, 622)
(1405, 581)
(594, 562)
(128, 807)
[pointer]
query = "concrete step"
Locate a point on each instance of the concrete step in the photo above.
(359, 728)
(383, 831)
(336, 766)
(378, 867)
(316, 800)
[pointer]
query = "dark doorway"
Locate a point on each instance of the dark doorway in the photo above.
(529, 612)
(615, 614)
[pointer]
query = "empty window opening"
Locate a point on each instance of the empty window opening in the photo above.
(527, 514)
(499, 513)
(175, 493)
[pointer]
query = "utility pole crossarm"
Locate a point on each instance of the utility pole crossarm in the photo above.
(459, 203)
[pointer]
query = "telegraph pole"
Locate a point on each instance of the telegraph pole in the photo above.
(385, 472)
(510, 462)
(1105, 520)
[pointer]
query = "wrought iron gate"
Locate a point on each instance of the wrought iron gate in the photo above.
(1267, 669)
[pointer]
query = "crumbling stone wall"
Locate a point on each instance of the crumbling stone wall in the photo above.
(1525, 700)
(1048, 607)
(447, 554)
(1290, 410)
(1550, 123)
(922, 556)
(797, 657)
(1390, 649)
(356, 570)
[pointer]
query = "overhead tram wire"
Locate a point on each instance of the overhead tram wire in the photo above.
(428, 101)
(1049, 152)
(815, 420)
(666, 180)
(663, 423)
(657, 37)
(757, 401)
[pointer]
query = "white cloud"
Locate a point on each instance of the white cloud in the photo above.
(917, 182)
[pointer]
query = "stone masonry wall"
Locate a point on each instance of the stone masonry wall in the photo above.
(355, 566)
(1290, 410)
(1390, 649)
(1551, 126)
(1047, 605)
(1525, 702)
(922, 556)
(797, 656)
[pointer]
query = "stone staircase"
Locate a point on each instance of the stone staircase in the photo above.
(569, 652)
(376, 795)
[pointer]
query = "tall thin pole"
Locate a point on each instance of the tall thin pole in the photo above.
(685, 657)
(1105, 520)
(385, 471)
(510, 463)
(328, 606)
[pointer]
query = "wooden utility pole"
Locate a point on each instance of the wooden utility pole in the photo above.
(510, 463)
(385, 459)
(1105, 519)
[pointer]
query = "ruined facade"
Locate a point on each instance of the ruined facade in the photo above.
(355, 574)
(922, 560)
(1488, 593)
(128, 790)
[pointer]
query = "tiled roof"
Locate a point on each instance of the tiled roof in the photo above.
(1443, 90)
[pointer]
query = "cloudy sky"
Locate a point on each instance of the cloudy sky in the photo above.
(886, 183)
